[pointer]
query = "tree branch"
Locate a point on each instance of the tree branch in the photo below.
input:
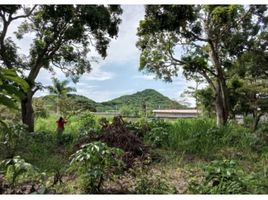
(210, 71)
(23, 16)
(228, 26)
(173, 58)
(2, 15)
(35, 90)
(199, 38)
(208, 79)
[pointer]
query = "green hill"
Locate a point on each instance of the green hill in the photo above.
(137, 102)
(75, 102)
(149, 97)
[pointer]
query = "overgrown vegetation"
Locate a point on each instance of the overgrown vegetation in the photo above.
(97, 155)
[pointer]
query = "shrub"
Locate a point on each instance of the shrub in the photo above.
(221, 177)
(157, 137)
(88, 124)
(96, 162)
(87, 120)
(260, 141)
(16, 168)
(11, 137)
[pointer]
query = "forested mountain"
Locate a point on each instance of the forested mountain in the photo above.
(148, 98)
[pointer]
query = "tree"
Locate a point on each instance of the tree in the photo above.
(205, 101)
(63, 35)
(40, 108)
(125, 111)
(249, 85)
(60, 90)
(205, 40)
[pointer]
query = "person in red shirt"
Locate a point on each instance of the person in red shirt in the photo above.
(60, 125)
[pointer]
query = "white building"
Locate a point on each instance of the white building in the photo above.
(182, 113)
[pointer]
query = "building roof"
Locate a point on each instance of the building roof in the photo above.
(182, 111)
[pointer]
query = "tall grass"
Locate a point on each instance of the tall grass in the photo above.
(49, 124)
(190, 135)
(202, 137)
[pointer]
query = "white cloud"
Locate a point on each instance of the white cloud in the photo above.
(102, 95)
(124, 48)
(97, 74)
(145, 77)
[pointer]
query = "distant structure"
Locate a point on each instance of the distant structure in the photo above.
(182, 113)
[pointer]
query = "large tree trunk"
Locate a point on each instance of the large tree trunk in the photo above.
(222, 100)
(27, 113)
(221, 104)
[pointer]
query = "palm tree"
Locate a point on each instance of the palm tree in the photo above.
(60, 90)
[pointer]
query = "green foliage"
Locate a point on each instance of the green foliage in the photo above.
(198, 136)
(125, 111)
(158, 134)
(82, 102)
(46, 124)
(221, 177)
(260, 141)
(11, 88)
(207, 52)
(40, 109)
(60, 88)
(12, 136)
(192, 135)
(129, 104)
(16, 168)
(88, 123)
(135, 102)
(153, 185)
(205, 101)
(70, 106)
(157, 137)
(63, 35)
(96, 162)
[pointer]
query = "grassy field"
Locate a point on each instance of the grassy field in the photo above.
(186, 156)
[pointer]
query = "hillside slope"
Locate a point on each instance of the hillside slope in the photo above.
(137, 101)
(149, 97)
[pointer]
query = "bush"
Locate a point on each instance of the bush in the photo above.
(95, 163)
(16, 168)
(88, 124)
(12, 138)
(87, 120)
(261, 138)
(221, 177)
(157, 137)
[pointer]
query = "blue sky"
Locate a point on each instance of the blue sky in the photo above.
(118, 74)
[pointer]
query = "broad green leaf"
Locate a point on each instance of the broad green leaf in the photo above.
(12, 76)
(7, 102)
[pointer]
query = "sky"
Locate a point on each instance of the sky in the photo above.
(119, 73)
